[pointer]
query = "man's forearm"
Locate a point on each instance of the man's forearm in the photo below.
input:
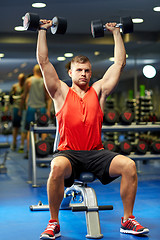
(42, 48)
(119, 49)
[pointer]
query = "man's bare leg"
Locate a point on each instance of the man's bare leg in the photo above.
(126, 168)
(60, 170)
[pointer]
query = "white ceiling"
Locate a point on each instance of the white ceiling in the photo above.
(20, 47)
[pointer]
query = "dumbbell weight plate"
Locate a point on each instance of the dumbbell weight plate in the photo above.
(42, 148)
(142, 147)
(127, 25)
(97, 28)
(111, 116)
(127, 116)
(110, 145)
(42, 120)
(59, 25)
(31, 21)
(126, 147)
(50, 140)
(156, 146)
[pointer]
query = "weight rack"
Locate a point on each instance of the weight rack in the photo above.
(32, 175)
(33, 159)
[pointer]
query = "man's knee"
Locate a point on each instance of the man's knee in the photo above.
(56, 170)
(60, 168)
(121, 165)
(129, 167)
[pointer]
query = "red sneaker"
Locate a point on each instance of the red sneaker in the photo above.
(131, 226)
(52, 230)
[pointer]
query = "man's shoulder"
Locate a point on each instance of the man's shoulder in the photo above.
(14, 87)
(64, 87)
(97, 87)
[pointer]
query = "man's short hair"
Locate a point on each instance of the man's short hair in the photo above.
(21, 78)
(37, 69)
(77, 59)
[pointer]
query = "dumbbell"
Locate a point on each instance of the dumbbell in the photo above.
(50, 140)
(42, 120)
(32, 22)
(141, 147)
(111, 116)
(98, 28)
(110, 145)
(127, 116)
(125, 147)
(43, 148)
(155, 147)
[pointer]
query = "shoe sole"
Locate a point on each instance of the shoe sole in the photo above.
(145, 231)
(46, 237)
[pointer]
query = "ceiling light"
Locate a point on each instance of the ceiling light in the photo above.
(68, 54)
(1, 55)
(38, 5)
(96, 53)
(156, 9)
(111, 59)
(149, 71)
(19, 28)
(61, 58)
(137, 20)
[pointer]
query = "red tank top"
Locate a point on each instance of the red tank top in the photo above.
(80, 121)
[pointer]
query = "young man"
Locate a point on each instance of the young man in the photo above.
(79, 112)
(36, 98)
(17, 91)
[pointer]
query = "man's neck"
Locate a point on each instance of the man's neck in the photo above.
(80, 90)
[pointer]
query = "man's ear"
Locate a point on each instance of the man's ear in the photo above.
(70, 72)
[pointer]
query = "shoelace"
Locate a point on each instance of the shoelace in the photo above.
(134, 222)
(51, 226)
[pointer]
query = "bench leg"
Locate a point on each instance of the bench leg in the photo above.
(92, 218)
(89, 200)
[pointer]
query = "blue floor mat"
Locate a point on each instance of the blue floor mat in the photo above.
(19, 223)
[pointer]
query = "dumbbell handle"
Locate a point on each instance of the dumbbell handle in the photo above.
(117, 26)
(40, 23)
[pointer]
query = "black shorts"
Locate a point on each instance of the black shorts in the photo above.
(94, 161)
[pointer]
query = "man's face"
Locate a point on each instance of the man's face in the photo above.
(80, 73)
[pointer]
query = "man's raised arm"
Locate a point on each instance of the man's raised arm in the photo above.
(112, 75)
(50, 76)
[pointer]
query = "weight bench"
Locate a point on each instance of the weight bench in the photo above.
(88, 203)
(80, 197)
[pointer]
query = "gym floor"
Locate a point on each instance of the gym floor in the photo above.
(16, 195)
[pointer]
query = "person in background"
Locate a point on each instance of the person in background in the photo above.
(16, 95)
(37, 100)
